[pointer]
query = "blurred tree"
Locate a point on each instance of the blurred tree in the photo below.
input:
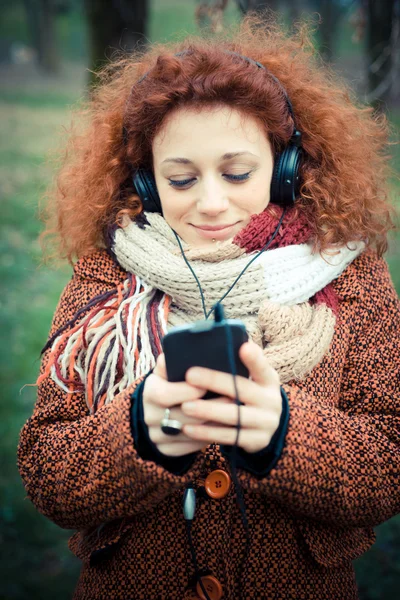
(41, 15)
(115, 25)
(382, 19)
(294, 8)
(210, 14)
(258, 5)
(331, 12)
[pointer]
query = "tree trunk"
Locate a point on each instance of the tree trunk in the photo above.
(41, 20)
(331, 13)
(114, 25)
(380, 50)
(209, 15)
(258, 5)
(295, 9)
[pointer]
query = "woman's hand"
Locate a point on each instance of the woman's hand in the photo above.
(159, 394)
(260, 395)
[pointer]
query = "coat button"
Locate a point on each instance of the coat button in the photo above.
(212, 587)
(217, 484)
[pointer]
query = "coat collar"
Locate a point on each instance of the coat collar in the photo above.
(100, 266)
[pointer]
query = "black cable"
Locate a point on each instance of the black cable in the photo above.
(194, 275)
(218, 311)
(236, 484)
(194, 559)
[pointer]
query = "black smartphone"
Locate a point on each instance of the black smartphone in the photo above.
(204, 344)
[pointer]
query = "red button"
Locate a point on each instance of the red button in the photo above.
(217, 484)
(211, 585)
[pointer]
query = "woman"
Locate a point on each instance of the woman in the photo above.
(233, 149)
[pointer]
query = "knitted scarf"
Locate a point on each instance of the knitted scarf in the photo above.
(284, 298)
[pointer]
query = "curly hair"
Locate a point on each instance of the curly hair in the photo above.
(344, 193)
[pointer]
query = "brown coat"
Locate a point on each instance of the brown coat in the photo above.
(309, 518)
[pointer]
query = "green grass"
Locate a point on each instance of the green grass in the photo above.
(35, 547)
(36, 563)
(39, 100)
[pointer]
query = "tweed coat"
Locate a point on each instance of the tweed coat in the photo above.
(314, 513)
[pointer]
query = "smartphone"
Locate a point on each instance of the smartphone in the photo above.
(204, 344)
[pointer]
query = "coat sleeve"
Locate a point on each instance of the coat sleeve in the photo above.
(341, 460)
(81, 470)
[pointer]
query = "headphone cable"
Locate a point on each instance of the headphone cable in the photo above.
(219, 316)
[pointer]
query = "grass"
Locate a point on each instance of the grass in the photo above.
(37, 564)
(35, 546)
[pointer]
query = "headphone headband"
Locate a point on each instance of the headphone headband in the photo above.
(249, 60)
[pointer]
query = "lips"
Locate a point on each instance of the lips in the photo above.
(213, 227)
(215, 232)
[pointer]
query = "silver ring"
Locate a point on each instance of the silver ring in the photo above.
(170, 426)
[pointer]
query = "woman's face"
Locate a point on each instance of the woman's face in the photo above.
(213, 170)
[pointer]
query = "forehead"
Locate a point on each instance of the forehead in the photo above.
(193, 129)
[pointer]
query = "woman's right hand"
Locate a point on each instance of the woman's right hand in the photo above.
(159, 394)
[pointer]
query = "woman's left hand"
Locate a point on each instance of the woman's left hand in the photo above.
(260, 395)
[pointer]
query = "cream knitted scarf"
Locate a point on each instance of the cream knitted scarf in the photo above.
(279, 298)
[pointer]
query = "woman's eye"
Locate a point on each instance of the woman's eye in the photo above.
(183, 183)
(177, 183)
(241, 177)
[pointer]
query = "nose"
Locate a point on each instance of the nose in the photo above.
(213, 198)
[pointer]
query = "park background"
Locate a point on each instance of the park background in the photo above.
(46, 50)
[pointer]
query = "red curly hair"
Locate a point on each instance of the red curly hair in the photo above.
(344, 194)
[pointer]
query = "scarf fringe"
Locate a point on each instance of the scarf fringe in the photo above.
(112, 346)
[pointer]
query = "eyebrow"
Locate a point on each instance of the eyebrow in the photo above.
(226, 156)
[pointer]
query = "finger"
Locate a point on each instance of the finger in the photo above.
(181, 449)
(250, 440)
(227, 414)
(164, 393)
(259, 368)
(158, 437)
(161, 369)
(155, 414)
(222, 384)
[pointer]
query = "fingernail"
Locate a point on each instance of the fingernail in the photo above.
(189, 428)
(188, 406)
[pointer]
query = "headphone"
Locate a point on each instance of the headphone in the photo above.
(285, 181)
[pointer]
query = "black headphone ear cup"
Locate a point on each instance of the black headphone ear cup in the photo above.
(146, 188)
(274, 193)
(285, 181)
